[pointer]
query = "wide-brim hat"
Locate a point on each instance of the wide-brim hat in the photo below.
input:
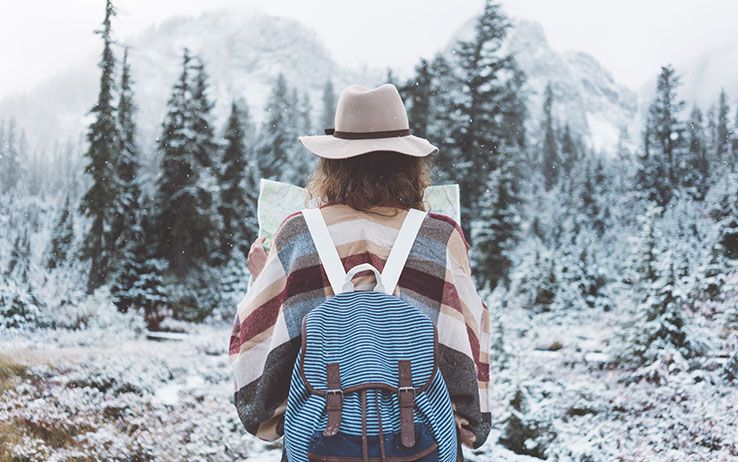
(368, 120)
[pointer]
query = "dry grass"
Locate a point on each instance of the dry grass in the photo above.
(11, 374)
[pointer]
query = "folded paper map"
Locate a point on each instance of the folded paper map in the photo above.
(278, 199)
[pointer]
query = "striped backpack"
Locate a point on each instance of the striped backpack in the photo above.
(366, 384)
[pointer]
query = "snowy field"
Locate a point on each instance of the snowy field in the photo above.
(106, 395)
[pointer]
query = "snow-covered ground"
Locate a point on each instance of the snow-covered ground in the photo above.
(105, 395)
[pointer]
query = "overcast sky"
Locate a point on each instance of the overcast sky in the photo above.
(630, 37)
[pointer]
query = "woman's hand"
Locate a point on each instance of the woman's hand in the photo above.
(256, 258)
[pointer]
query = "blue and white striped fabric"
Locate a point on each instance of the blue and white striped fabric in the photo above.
(367, 333)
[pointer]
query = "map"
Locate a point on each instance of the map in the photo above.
(277, 200)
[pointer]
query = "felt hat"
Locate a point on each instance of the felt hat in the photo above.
(367, 120)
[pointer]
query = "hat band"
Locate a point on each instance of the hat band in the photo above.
(367, 135)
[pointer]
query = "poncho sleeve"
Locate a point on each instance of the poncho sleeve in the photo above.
(463, 329)
(262, 350)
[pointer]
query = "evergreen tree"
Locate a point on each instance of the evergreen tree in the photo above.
(62, 237)
(127, 168)
(20, 258)
(10, 166)
(140, 283)
(728, 231)
(234, 198)
(593, 196)
(661, 324)
(697, 169)
(103, 153)
(300, 161)
(327, 118)
(550, 157)
(535, 278)
(496, 232)
(184, 202)
(206, 145)
(277, 136)
(417, 96)
(666, 140)
(569, 152)
(735, 138)
(441, 120)
(305, 115)
(391, 77)
(722, 133)
(480, 98)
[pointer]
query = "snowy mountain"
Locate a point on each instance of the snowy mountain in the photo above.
(243, 53)
(585, 94)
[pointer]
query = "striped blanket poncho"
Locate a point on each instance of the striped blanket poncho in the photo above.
(265, 339)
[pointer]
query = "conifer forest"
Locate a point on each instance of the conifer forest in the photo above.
(610, 270)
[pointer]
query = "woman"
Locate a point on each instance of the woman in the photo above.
(370, 171)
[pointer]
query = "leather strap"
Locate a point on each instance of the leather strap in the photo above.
(406, 398)
(326, 248)
(367, 135)
(333, 400)
(401, 249)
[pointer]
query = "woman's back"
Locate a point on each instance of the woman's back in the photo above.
(436, 279)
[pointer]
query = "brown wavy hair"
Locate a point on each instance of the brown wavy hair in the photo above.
(380, 178)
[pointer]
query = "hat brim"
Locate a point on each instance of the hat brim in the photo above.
(331, 147)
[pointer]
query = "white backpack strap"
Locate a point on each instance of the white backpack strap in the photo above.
(326, 249)
(401, 249)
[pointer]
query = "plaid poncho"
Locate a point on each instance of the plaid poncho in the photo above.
(437, 280)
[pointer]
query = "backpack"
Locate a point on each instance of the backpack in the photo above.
(366, 384)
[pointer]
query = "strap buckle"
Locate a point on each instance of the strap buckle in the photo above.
(401, 389)
(334, 391)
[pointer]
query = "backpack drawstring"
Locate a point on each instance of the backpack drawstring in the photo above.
(364, 445)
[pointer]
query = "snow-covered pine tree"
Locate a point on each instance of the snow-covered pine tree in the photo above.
(329, 101)
(141, 282)
(126, 169)
(305, 115)
(593, 196)
(103, 153)
(482, 71)
(208, 149)
(10, 166)
(728, 231)
(185, 224)
(570, 151)
(20, 258)
(549, 154)
(592, 280)
(390, 77)
(277, 137)
(696, 173)
(416, 94)
(734, 142)
(722, 157)
(300, 160)
(648, 171)
(497, 227)
(60, 246)
(661, 323)
(440, 119)
(234, 199)
(666, 138)
(2, 155)
(534, 278)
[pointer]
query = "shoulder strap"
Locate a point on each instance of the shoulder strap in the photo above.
(401, 249)
(326, 248)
